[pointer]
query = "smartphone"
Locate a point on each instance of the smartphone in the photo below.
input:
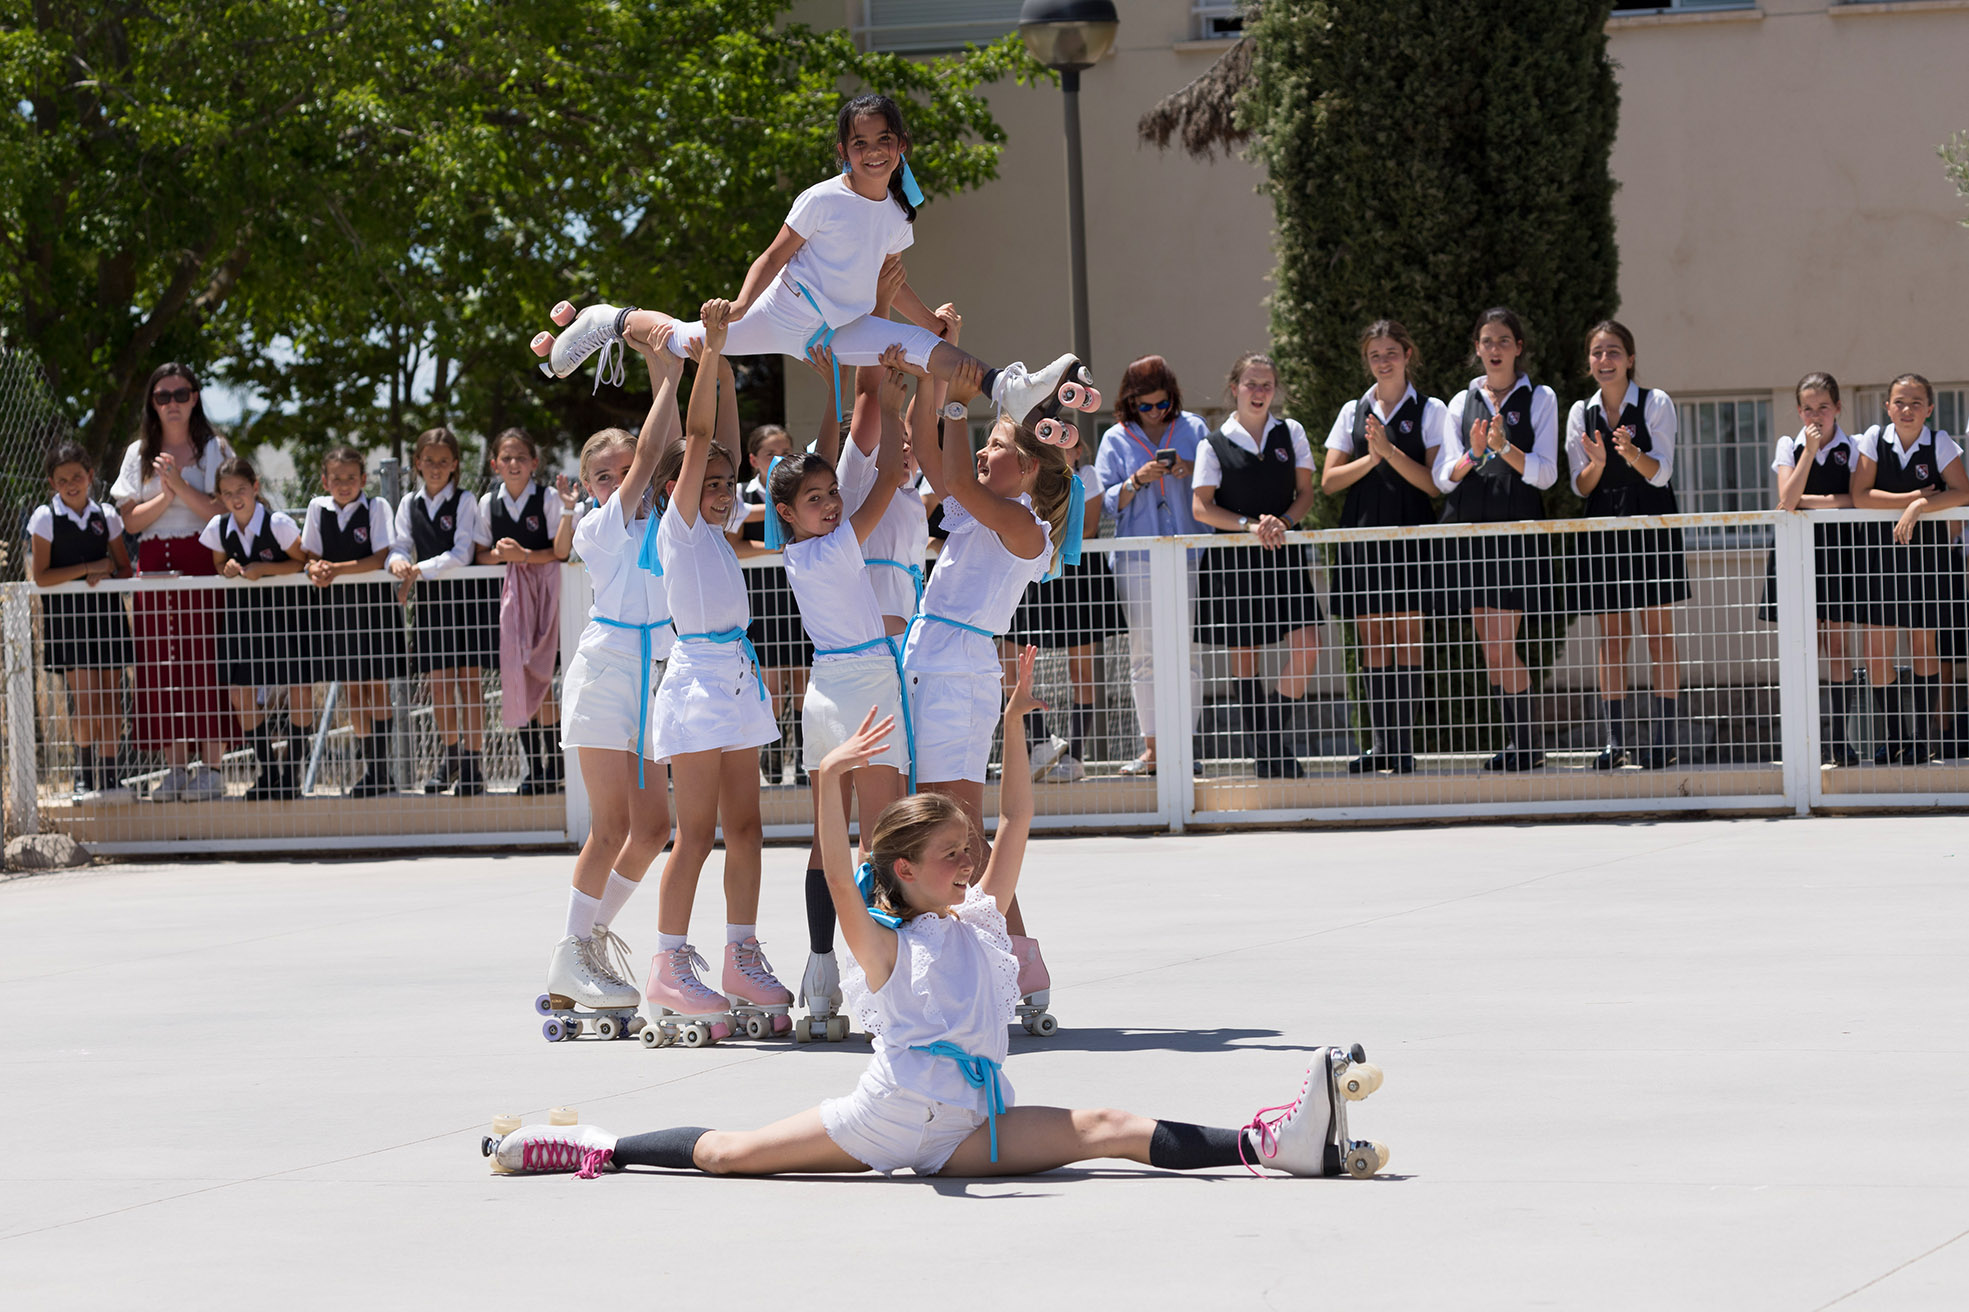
(1166, 457)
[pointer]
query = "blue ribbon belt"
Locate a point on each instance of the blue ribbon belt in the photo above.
(919, 617)
(902, 688)
(979, 1073)
(738, 636)
(823, 336)
(643, 632)
(915, 573)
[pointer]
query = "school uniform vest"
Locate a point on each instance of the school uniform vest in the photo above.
(1494, 492)
(266, 548)
(1920, 472)
(1621, 489)
(750, 531)
(351, 543)
(530, 529)
(1384, 497)
(1255, 483)
(1834, 478)
(433, 532)
(73, 545)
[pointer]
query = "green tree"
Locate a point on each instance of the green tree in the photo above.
(363, 211)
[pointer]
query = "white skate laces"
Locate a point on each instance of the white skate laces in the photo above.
(750, 962)
(597, 328)
(608, 956)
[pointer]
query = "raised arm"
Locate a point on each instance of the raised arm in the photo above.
(660, 426)
(888, 456)
(1008, 845)
(771, 262)
(874, 945)
(702, 422)
(1009, 519)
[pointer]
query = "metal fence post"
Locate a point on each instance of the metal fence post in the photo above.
(23, 807)
(1169, 622)
(1798, 659)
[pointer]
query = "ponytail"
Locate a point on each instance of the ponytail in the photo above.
(1052, 489)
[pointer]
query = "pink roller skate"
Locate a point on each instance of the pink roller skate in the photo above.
(1035, 988)
(1056, 432)
(597, 328)
(759, 1001)
(681, 1007)
(1308, 1136)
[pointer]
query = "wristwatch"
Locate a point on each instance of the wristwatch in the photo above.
(1243, 524)
(956, 411)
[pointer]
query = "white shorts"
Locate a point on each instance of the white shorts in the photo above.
(782, 323)
(839, 695)
(601, 702)
(886, 1128)
(955, 716)
(709, 701)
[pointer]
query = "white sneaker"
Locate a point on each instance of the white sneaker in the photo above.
(1030, 397)
(1301, 1138)
(1066, 770)
(598, 328)
(541, 1149)
(820, 986)
(571, 973)
(205, 786)
(172, 786)
(1045, 754)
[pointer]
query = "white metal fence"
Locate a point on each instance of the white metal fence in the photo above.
(1730, 704)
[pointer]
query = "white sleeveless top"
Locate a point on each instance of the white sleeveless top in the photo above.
(836, 593)
(955, 980)
(977, 581)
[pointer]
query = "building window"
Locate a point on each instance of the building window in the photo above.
(1218, 22)
(921, 27)
(1723, 455)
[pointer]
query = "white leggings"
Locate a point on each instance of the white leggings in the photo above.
(782, 322)
(1131, 582)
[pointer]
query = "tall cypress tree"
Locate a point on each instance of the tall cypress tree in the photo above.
(1428, 159)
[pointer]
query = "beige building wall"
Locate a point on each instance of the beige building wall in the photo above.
(1781, 207)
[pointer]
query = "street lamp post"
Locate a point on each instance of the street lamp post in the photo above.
(1068, 36)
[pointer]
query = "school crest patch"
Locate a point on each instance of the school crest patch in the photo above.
(1514, 417)
(1408, 425)
(1281, 455)
(98, 528)
(1921, 471)
(445, 522)
(265, 553)
(361, 533)
(1838, 456)
(533, 523)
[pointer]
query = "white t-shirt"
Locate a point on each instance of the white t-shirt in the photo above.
(903, 535)
(836, 592)
(848, 236)
(178, 519)
(701, 577)
(220, 527)
(623, 589)
(464, 528)
(382, 526)
(41, 524)
(1209, 470)
(977, 581)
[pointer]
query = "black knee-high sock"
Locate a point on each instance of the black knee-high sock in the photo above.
(1405, 692)
(1666, 710)
(1251, 699)
(85, 768)
(1522, 736)
(1376, 682)
(820, 913)
(1615, 711)
(1886, 716)
(987, 383)
(1176, 1146)
(1832, 731)
(1507, 715)
(671, 1148)
(1922, 712)
(1080, 728)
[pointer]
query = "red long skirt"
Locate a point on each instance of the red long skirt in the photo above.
(179, 697)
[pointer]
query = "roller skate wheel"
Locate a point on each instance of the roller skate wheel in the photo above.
(562, 314)
(1072, 394)
(837, 1029)
(697, 1036)
(553, 1031)
(607, 1028)
(544, 1004)
(542, 343)
(1359, 1081)
(1093, 400)
(1044, 1025)
(652, 1037)
(803, 1030)
(504, 1125)
(563, 1116)
(1364, 1159)
(757, 1027)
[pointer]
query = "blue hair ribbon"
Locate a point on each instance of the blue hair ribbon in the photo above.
(646, 555)
(865, 883)
(910, 191)
(775, 527)
(1076, 523)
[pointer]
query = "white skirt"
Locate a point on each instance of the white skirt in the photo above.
(955, 716)
(602, 702)
(840, 694)
(710, 700)
(887, 1128)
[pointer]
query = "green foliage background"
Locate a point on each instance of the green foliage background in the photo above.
(321, 200)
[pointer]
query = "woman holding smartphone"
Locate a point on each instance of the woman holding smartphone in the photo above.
(1144, 468)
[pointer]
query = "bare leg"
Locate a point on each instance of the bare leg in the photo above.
(1497, 634)
(1658, 625)
(797, 1145)
(1616, 634)
(626, 829)
(471, 707)
(738, 811)
(1033, 1139)
(1302, 654)
(696, 775)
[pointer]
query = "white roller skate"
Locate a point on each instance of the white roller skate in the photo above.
(1308, 1136)
(759, 1001)
(680, 1006)
(1035, 988)
(597, 328)
(820, 994)
(1031, 397)
(551, 1149)
(582, 985)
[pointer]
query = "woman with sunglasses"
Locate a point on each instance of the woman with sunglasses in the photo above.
(166, 493)
(1144, 467)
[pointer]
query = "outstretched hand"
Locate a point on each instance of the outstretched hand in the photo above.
(895, 357)
(1596, 450)
(867, 742)
(820, 358)
(965, 380)
(1020, 700)
(717, 316)
(893, 394)
(890, 281)
(952, 322)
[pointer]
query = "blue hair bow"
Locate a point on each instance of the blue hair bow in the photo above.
(1076, 521)
(910, 191)
(865, 882)
(775, 528)
(647, 555)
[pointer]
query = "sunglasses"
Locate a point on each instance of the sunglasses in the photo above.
(1153, 407)
(173, 395)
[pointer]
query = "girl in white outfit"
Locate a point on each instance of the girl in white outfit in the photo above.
(710, 717)
(933, 984)
(606, 703)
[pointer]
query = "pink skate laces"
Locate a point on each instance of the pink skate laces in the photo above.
(1266, 1133)
(559, 1155)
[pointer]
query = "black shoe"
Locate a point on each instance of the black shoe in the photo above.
(1840, 755)
(371, 785)
(1611, 758)
(1368, 762)
(1515, 760)
(277, 783)
(1656, 758)
(1397, 765)
(443, 777)
(1281, 767)
(1916, 754)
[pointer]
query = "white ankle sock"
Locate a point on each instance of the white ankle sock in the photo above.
(581, 911)
(613, 897)
(739, 933)
(670, 942)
